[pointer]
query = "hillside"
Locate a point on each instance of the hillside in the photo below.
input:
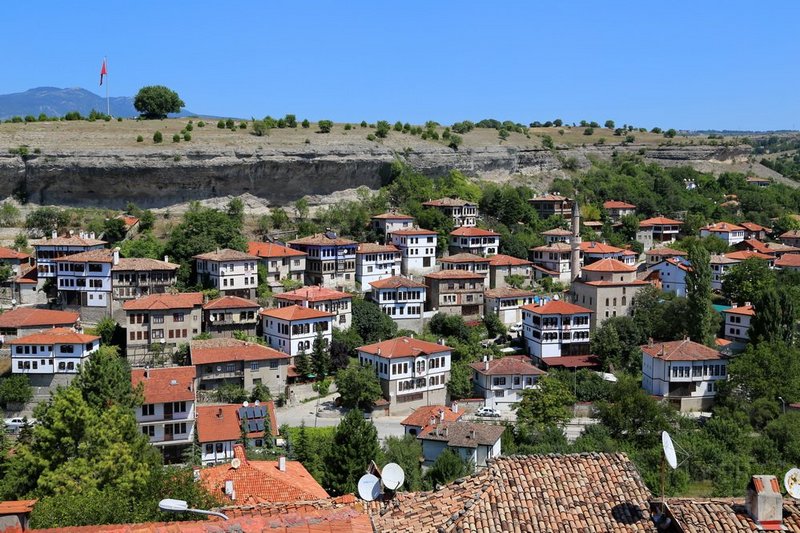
(101, 163)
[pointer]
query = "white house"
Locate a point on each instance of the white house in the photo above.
(476, 241)
(463, 212)
(672, 275)
(338, 303)
(233, 272)
(656, 255)
(616, 209)
(474, 441)
(412, 372)
(167, 415)
(84, 279)
(555, 329)
(507, 303)
(376, 261)
(684, 372)
(593, 251)
(280, 262)
(500, 382)
(23, 321)
(719, 266)
(418, 248)
(294, 328)
(555, 235)
(469, 263)
(730, 233)
(386, 223)
(52, 352)
(737, 323)
(331, 260)
(430, 415)
(401, 298)
(553, 260)
(48, 250)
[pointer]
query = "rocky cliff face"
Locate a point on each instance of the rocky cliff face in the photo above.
(160, 179)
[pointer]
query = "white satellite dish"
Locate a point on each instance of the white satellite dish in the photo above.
(669, 450)
(245, 403)
(257, 403)
(392, 476)
(369, 487)
(236, 463)
(792, 483)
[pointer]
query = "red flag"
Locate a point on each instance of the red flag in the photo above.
(103, 72)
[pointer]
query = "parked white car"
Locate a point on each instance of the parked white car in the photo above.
(15, 424)
(487, 411)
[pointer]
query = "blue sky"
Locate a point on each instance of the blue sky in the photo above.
(686, 64)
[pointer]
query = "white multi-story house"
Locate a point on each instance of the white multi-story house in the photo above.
(507, 303)
(684, 372)
(552, 260)
(555, 235)
(229, 315)
(656, 255)
(54, 352)
(672, 275)
(167, 415)
(376, 261)
(730, 233)
(463, 213)
(593, 251)
(386, 223)
(474, 442)
(412, 372)
(555, 329)
(659, 230)
(719, 266)
(469, 263)
(500, 382)
(476, 241)
(401, 298)
(280, 262)
(502, 266)
(338, 303)
(616, 209)
(23, 321)
(233, 272)
(737, 323)
(418, 248)
(84, 279)
(294, 328)
(331, 260)
(135, 277)
(48, 250)
(220, 428)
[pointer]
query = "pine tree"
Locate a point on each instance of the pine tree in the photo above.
(320, 357)
(775, 317)
(302, 364)
(301, 446)
(702, 317)
(355, 444)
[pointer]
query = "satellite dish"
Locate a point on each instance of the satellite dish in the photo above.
(392, 476)
(792, 483)
(669, 450)
(236, 463)
(369, 487)
(245, 403)
(257, 403)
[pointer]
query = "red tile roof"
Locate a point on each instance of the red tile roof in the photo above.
(392, 216)
(556, 307)
(448, 202)
(572, 361)
(295, 312)
(56, 336)
(396, 282)
(320, 239)
(142, 264)
(557, 232)
(161, 385)
(508, 292)
(791, 234)
(161, 302)
(404, 347)
(683, 350)
(666, 251)
(743, 255)
(756, 245)
(313, 293)
(786, 260)
(464, 258)
(128, 220)
(747, 310)
(722, 342)
(226, 349)
(271, 249)
(722, 227)
(549, 198)
(507, 260)
(752, 226)
(257, 482)
(375, 248)
(69, 241)
(29, 317)
(226, 254)
(218, 423)
(91, 256)
(413, 231)
(594, 247)
(473, 232)
(659, 221)
(554, 247)
(616, 204)
(231, 302)
(519, 365)
(454, 273)
(422, 416)
(609, 265)
(728, 515)
(17, 507)
(462, 434)
(630, 283)
(29, 276)
(8, 253)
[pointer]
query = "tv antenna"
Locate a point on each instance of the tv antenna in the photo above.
(791, 481)
(393, 476)
(369, 487)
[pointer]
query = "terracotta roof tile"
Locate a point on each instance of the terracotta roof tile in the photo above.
(752, 226)
(507, 260)
(396, 282)
(161, 302)
(557, 232)
(29, 317)
(609, 265)
(787, 260)
(218, 423)
(464, 258)
(56, 336)
(722, 227)
(616, 204)
(231, 302)
(404, 347)
(728, 515)
(375, 248)
(313, 293)
(226, 349)
(509, 365)
(69, 241)
(93, 256)
(743, 255)
(659, 221)
(448, 202)
(549, 198)
(682, 350)
(554, 247)
(8, 253)
(791, 234)
(226, 254)
(718, 259)
(508, 292)
(755, 245)
(392, 216)
(666, 251)
(422, 416)
(573, 361)
(461, 434)
(454, 273)
(161, 385)
(747, 310)
(556, 307)
(320, 239)
(413, 231)
(143, 264)
(594, 247)
(295, 312)
(473, 232)
(17, 507)
(271, 249)
(128, 220)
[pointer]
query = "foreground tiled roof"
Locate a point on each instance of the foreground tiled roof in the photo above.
(724, 515)
(257, 482)
(448, 202)
(175, 384)
(556, 307)
(143, 264)
(682, 350)
(587, 493)
(227, 349)
(295, 312)
(659, 221)
(226, 254)
(507, 260)
(161, 302)
(313, 293)
(461, 434)
(320, 239)
(230, 302)
(518, 365)
(508, 292)
(609, 265)
(218, 423)
(56, 336)
(422, 416)
(29, 317)
(473, 232)
(616, 204)
(404, 347)
(270, 249)
(395, 282)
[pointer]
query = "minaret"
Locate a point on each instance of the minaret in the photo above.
(575, 241)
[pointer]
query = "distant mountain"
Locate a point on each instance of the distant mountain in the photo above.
(55, 102)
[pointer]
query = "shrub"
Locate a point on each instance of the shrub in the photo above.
(306, 124)
(119, 119)
(382, 129)
(503, 134)
(37, 150)
(398, 126)
(291, 121)
(176, 138)
(30, 118)
(656, 130)
(72, 115)
(187, 136)
(221, 124)
(348, 127)
(243, 125)
(629, 138)
(371, 137)
(189, 127)
(201, 124)
(363, 123)
(281, 123)
(455, 141)
(670, 133)
(139, 139)
(547, 142)
(230, 124)
(325, 126)
(42, 117)
(260, 128)
(157, 137)
(588, 131)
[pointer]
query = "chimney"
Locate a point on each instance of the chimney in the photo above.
(146, 374)
(166, 259)
(219, 412)
(650, 341)
(432, 421)
(441, 415)
(747, 304)
(229, 492)
(764, 502)
(91, 235)
(54, 234)
(485, 362)
(282, 463)
(116, 255)
(454, 407)
(472, 434)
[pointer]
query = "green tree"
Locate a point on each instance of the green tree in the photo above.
(768, 370)
(448, 467)
(632, 415)
(702, 319)
(15, 389)
(9, 215)
(106, 328)
(114, 230)
(325, 126)
(405, 451)
(775, 318)
(358, 386)
(372, 324)
(546, 406)
(44, 220)
(494, 326)
(105, 380)
(449, 326)
(617, 343)
(745, 281)
(301, 448)
(279, 218)
(382, 129)
(355, 444)
(260, 393)
(460, 384)
(302, 364)
(145, 245)
(301, 208)
(156, 101)
(320, 356)
(609, 124)
(158, 137)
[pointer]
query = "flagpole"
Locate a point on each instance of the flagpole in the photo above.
(108, 102)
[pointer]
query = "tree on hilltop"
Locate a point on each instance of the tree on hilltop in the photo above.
(155, 101)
